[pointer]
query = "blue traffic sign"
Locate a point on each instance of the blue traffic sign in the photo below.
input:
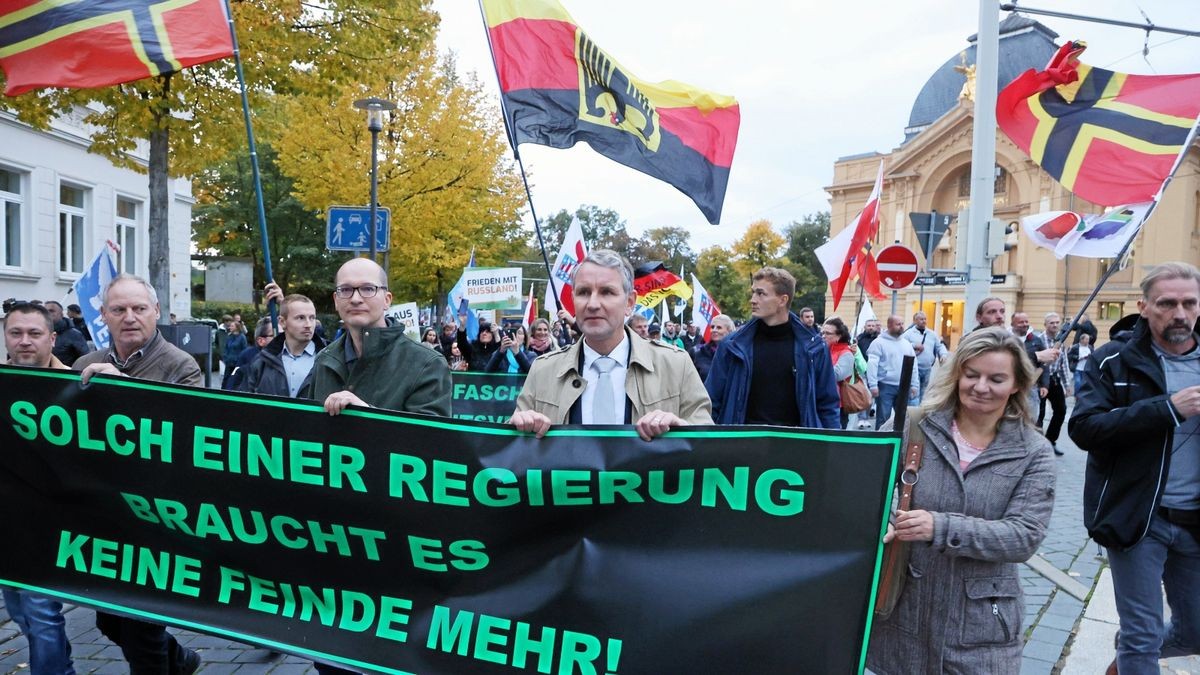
(346, 228)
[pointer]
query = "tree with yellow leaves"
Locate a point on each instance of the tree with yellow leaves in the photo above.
(443, 170)
(193, 118)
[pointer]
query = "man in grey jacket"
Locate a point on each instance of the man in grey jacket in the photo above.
(885, 360)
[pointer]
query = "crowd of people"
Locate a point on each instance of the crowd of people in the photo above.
(987, 477)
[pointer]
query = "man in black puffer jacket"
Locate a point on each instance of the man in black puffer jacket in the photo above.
(1137, 414)
(284, 366)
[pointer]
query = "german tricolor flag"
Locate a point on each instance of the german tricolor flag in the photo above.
(653, 283)
(98, 43)
(1110, 138)
(560, 88)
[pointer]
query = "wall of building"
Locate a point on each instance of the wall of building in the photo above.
(923, 175)
(112, 199)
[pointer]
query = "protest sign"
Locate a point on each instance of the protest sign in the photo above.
(491, 287)
(406, 314)
(485, 397)
(401, 543)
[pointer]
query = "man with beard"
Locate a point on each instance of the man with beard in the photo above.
(1137, 415)
(885, 364)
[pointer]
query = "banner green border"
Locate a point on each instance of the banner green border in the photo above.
(870, 438)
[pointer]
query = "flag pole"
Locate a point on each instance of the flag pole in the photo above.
(258, 194)
(512, 143)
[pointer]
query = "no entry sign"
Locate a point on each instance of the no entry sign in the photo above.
(897, 267)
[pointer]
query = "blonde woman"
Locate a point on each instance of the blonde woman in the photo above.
(980, 506)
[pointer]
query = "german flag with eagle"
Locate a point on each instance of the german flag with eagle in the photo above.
(98, 43)
(1110, 138)
(560, 88)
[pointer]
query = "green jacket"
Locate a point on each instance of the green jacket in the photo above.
(393, 372)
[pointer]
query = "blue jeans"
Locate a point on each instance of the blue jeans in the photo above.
(885, 402)
(923, 376)
(1169, 557)
(1078, 380)
(41, 621)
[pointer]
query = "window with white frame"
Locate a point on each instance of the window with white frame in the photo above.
(11, 202)
(128, 225)
(72, 219)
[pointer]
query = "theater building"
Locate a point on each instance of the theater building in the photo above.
(930, 171)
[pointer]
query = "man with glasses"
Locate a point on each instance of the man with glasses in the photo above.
(373, 364)
(129, 307)
(29, 340)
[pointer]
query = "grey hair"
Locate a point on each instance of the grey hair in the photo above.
(128, 277)
(1167, 271)
(724, 319)
(1052, 314)
(264, 327)
(613, 261)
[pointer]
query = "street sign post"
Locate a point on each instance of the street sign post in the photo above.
(346, 228)
(897, 267)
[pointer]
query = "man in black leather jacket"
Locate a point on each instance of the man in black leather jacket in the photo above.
(1137, 414)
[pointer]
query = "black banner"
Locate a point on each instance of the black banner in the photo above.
(485, 397)
(398, 543)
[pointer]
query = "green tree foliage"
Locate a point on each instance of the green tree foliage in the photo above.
(671, 245)
(194, 116)
(804, 236)
(716, 269)
(443, 171)
(225, 222)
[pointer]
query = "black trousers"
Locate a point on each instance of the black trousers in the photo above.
(1058, 410)
(148, 647)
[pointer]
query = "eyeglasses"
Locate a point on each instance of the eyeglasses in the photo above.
(366, 291)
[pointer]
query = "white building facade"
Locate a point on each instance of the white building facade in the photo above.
(60, 204)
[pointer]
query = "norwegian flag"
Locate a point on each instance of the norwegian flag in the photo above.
(570, 254)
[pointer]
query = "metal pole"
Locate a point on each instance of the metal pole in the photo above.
(894, 294)
(983, 154)
(258, 195)
(1148, 27)
(374, 190)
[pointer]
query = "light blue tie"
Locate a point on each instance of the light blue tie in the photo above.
(604, 408)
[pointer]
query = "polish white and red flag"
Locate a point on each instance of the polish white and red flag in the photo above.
(848, 254)
(570, 254)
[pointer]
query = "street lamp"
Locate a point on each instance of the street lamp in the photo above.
(375, 108)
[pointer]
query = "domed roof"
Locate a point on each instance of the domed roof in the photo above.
(1024, 44)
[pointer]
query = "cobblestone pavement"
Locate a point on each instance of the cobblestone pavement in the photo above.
(1052, 615)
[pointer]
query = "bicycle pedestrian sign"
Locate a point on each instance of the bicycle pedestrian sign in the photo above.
(346, 228)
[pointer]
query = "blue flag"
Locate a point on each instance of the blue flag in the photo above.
(455, 298)
(88, 288)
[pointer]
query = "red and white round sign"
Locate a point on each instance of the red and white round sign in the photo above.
(897, 266)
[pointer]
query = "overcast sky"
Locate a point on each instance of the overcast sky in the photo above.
(815, 81)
